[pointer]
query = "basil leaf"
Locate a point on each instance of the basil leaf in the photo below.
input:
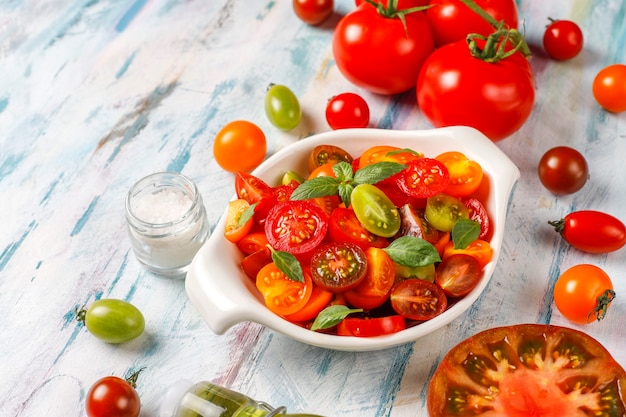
(288, 264)
(345, 192)
(373, 173)
(246, 215)
(412, 251)
(331, 316)
(316, 187)
(464, 232)
(343, 171)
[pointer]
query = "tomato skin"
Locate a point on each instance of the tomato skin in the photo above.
(239, 146)
(320, 298)
(452, 21)
(327, 154)
(296, 226)
(519, 371)
(374, 290)
(234, 231)
(563, 170)
(370, 327)
(344, 226)
(347, 110)
(465, 175)
(578, 290)
(455, 88)
(592, 231)
(282, 107)
(416, 299)
(458, 274)
(112, 397)
(375, 53)
(609, 88)
(562, 40)
(313, 12)
(480, 249)
(251, 188)
(113, 321)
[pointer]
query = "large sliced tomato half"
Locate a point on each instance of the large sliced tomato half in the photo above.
(528, 370)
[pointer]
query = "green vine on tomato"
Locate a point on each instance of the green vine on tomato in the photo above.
(392, 11)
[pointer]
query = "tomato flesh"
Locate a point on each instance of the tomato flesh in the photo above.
(296, 226)
(338, 267)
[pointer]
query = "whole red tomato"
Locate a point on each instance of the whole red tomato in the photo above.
(402, 4)
(456, 88)
(562, 39)
(375, 50)
(113, 397)
(313, 12)
(592, 231)
(452, 21)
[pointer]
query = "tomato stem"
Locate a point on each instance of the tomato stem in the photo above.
(392, 11)
(80, 313)
(559, 225)
(132, 378)
(599, 311)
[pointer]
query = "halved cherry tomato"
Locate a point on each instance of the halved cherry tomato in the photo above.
(479, 249)
(458, 274)
(324, 170)
(296, 226)
(370, 327)
(253, 242)
(343, 226)
(592, 231)
(327, 203)
(443, 241)
(338, 267)
(325, 154)
(478, 213)
(235, 230)
(283, 295)
(275, 196)
(465, 174)
(528, 370)
(375, 210)
(320, 298)
(443, 211)
(417, 299)
(374, 290)
(254, 262)
(387, 153)
(414, 224)
(251, 188)
(423, 178)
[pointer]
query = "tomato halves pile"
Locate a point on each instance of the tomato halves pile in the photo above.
(528, 370)
(364, 246)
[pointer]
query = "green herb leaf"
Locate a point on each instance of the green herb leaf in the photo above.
(343, 171)
(331, 316)
(288, 264)
(464, 232)
(373, 173)
(246, 215)
(412, 251)
(345, 193)
(316, 187)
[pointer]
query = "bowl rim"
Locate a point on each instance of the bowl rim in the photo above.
(221, 301)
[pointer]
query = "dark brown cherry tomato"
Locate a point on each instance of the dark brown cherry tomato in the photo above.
(338, 267)
(562, 39)
(327, 154)
(592, 231)
(528, 370)
(417, 299)
(563, 170)
(313, 12)
(458, 274)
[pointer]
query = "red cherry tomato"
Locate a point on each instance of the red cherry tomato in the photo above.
(313, 12)
(113, 397)
(592, 231)
(478, 213)
(455, 88)
(370, 327)
(347, 110)
(562, 39)
(296, 226)
(452, 21)
(417, 299)
(239, 146)
(479, 249)
(338, 267)
(423, 178)
(458, 274)
(609, 88)
(251, 188)
(563, 170)
(380, 53)
(343, 226)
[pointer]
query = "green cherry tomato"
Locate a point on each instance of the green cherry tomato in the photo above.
(282, 107)
(443, 211)
(112, 320)
(375, 211)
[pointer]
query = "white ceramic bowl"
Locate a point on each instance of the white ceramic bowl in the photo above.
(225, 296)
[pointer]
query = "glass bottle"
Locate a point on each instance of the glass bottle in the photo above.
(205, 399)
(167, 222)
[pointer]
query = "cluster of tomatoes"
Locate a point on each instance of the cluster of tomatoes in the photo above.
(388, 237)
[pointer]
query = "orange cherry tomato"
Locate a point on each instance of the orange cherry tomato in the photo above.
(239, 146)
(479, 249)
(254, 262)
(324, 170)
(320, 298)
(375, 288)
(235, 230)
(387, 153)
(253, 242)
(465, 174)
(283, 295)
(609, 88)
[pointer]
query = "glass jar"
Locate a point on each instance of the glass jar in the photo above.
(205, 399)
(167, 222)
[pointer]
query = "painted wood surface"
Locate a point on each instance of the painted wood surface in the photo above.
(95, 94)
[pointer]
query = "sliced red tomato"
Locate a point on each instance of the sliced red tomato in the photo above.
(423, 178)
(465, 174)
(374, 290)
(416, 299)
(338, 267)
(328, 203)
(251, 188)
(296, 226)
(275, 196)
(343, 226)
(253, 263)
(320, 299)
(387, 153)
(253, 242)
(479, 249)
(370, 327)
(283, 295)
(458, 274)
(528, 370)
(235, 228)
(478, 213)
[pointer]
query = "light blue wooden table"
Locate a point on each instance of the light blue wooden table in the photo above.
(97, 94)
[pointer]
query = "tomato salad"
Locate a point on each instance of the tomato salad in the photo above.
(366, 245)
